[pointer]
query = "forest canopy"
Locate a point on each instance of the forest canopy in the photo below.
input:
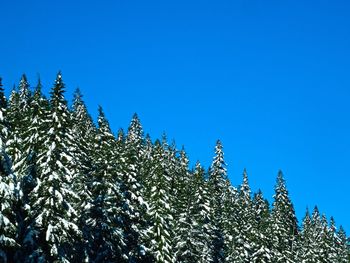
(72, 190)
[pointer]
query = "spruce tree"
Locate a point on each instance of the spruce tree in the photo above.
(104, 223)
(201, 228)
(84, 134)
(284, 227)
(133, 205)
(184, 220)
(260, 231)
(8, 223)
(31, 145)
(342, 246)
(244, 238)
(160, 231)
(218, 183)
(52, 200)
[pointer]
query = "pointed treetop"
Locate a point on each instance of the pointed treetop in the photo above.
(38, 88)
(219, 154)
(198, 166)
(14, 96)
(316, 212)
(148, 139)
(102, 122)
(78, 100)
(58, 85)
(184, 161)
(59, 75)
(101, 114)
(77, 97)
(280, 186)
(120, 135)
(307, 215)
(3, 101)
(245, 184)
(23, 89)
(23, 82)
(135, 131)
(218, 161)
(57, 93)
(245, 191)
(332, 224)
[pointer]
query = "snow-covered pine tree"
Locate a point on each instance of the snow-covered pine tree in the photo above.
(20, 118)
(284, 226)
(84, 134)
(134, 206)
(306, 251)
(261, 225)
(244, 239)
(317, 233)
(104, 224)
(218, 183)
(32, 142)
(342, 246)
(52, 200)
(8, 223)
(3, 100)
(35, 123)
(230, 218)
(160, 215)
(184, 220)
(199, 220)
(328, 251)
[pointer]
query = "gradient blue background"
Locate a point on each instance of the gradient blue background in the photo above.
(269, 78)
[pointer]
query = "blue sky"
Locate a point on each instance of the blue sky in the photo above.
(269, 78)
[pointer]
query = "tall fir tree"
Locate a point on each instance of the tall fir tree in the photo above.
(260, 232)
(104, 224)
(244, 244)
(84, 134)
(184, 220)
(8, 198)
(342, 246)
(32, 141)
(284, 226)
(160, 215)
(52, 200)
(218, 183)
(199, 223)
(134, 206)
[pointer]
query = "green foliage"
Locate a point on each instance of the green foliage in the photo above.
(72, 191)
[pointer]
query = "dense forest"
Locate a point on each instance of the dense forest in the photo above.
(73, 191)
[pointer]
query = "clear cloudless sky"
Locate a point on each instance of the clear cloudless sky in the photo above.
(268, 78)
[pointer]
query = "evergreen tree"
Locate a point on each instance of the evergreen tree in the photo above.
(52, 200)
(184, 220)
(159, 237)
(134, 206)
(20, 120)
(218, 187)
(244, 238)
(342, 246)
(261, 223)
(284, 227)
(13, 142)
(8, 223)
(201, 228)
(84, 134)
(32, 142)
(104, 224)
